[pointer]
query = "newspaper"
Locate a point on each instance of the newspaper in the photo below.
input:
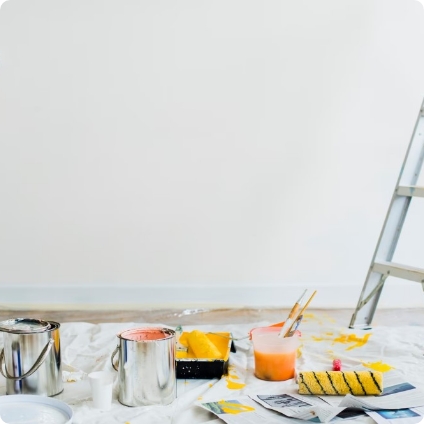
(398, 416)
(244, 410)
(400, 403)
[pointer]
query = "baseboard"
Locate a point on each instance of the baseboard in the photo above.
(397, 295)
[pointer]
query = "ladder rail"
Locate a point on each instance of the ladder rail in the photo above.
(389, 236)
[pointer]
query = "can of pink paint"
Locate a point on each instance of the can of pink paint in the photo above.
(146, 366)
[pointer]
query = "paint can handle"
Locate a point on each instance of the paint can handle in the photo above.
(37, 364)
(115, 367)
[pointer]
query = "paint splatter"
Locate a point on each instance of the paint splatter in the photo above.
(378, 366)
(234, 385)
(229, 407)
(352, 338)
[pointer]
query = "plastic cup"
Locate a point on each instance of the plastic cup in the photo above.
(275, 357)
(101, 383)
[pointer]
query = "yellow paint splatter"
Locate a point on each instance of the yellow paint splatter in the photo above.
(200, 398)
(378, 366)
(210, 384)
(234, 385)
(299, 352)
(353, 338)
(234, 408)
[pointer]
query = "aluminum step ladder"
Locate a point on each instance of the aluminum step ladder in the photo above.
(381, 265)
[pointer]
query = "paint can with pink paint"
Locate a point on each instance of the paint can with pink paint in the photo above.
(146, 366)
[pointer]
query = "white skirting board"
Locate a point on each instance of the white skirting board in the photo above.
(399, 294)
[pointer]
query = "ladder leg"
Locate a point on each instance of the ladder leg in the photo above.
(368, 301)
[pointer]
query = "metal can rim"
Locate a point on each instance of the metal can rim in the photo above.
(24, 326)
(167, 334)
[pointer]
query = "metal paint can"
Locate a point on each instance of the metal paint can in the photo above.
(146, 366)
(30, 359)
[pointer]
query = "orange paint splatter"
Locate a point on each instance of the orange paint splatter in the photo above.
(378, 366)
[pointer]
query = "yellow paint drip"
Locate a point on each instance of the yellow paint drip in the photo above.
(378, 366)
(236, 377)
(234, 408)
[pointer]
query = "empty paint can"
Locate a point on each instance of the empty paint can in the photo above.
(146, 366)
(30, 359)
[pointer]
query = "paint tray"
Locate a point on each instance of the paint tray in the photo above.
(189, 367)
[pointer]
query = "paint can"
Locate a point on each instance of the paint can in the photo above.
(30, 359)
(146, 366)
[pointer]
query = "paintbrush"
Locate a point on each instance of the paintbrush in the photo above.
(301, 313)
(292, 315)
(295, 326)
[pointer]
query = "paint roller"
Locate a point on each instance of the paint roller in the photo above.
(359, 383)
(202, 346)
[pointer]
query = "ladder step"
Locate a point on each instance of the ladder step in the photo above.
(410, 191)
(400, 271)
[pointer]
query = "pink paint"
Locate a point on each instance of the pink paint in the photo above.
(145, 334)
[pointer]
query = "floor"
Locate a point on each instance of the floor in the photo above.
(173, 317)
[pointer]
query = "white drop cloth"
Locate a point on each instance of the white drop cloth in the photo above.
(88, 347)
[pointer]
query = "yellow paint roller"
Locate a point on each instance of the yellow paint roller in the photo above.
(201, 346)
(360, 383)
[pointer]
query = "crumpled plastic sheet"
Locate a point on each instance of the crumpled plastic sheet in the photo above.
(88, 347)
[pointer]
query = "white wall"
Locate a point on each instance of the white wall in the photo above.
(200, 151)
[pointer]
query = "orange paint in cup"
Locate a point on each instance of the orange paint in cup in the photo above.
(275, 357)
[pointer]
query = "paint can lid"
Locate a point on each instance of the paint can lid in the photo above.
(34, 409)
(24, 325)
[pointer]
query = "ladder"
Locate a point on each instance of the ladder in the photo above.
(381, 265)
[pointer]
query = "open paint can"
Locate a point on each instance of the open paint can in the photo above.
(30, 359)
(146, 366)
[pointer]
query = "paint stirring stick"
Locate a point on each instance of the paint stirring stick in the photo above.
(290, 319)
